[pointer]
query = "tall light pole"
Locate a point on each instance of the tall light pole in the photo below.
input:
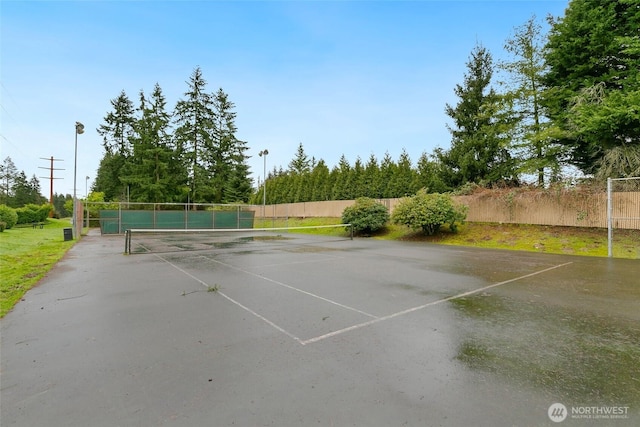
(86, 200)
(79, 131)
(264, 153)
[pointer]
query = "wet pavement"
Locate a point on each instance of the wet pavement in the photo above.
(357, 333)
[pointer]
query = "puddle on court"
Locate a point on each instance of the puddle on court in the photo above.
(225, 245)
(310, 249)
(575, 355)
(267, 238)
(417, 289)
(196, 242)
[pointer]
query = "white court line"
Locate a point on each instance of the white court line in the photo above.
(206, 285)
(420, 307)
(346, 307)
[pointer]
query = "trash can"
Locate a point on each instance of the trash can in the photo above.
(68, 234)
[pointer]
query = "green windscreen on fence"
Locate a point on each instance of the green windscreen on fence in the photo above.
(117, 222)
(109, 222)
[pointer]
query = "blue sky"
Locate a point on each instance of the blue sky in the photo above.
(350, 78)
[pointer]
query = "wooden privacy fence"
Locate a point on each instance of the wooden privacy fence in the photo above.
(566, 207)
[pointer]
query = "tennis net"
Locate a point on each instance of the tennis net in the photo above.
(146, 240)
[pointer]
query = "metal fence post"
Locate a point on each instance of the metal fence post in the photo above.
(609, 220)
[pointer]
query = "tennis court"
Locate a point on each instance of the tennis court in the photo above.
(293, 329)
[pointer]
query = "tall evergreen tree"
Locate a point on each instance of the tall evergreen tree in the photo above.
(387, 172)
(36, 192)
(320, 185)
(8, 173)
(278, 188)
(227, 154)
(403, 178)
(300, 163)
(594, 70)
(25, 191)
(532, 143)
(358, 179)
(21, 191)
(153, 173)
(342, 189)
(372, 178)
(299, 187)
(428, 174)
(108, 177)
(195, 121)
(117, 132)
(479, 141)
(118, 127)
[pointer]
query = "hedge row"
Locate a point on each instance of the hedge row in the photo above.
(25, 215)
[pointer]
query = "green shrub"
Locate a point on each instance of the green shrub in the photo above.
(428, 212)
(366, 215)
(33, 213)
(8, 216)
(3, 225)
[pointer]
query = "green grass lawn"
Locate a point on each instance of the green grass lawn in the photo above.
(26, 255)
(538, 238)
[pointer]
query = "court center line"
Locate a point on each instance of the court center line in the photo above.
(420, 307)
(228, 298)
(293, 288)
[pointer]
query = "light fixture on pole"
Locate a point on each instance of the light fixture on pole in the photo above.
(74, 221)
(264, 153)
(86, 187)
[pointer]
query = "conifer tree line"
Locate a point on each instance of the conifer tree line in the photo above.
(189, 155)
(16, 190)
(309, 180)
(569, 97)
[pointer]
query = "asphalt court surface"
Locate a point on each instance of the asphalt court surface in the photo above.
(323, 332)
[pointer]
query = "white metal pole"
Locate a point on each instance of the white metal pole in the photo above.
(609, 220)
(264, 181)
(75, 202)
(74, 221)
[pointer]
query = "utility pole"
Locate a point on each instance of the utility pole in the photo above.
(51, 178)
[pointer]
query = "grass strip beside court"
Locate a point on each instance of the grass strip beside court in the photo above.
(26, 255)
(534, 238)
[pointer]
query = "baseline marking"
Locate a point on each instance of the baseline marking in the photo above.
(420, 307)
